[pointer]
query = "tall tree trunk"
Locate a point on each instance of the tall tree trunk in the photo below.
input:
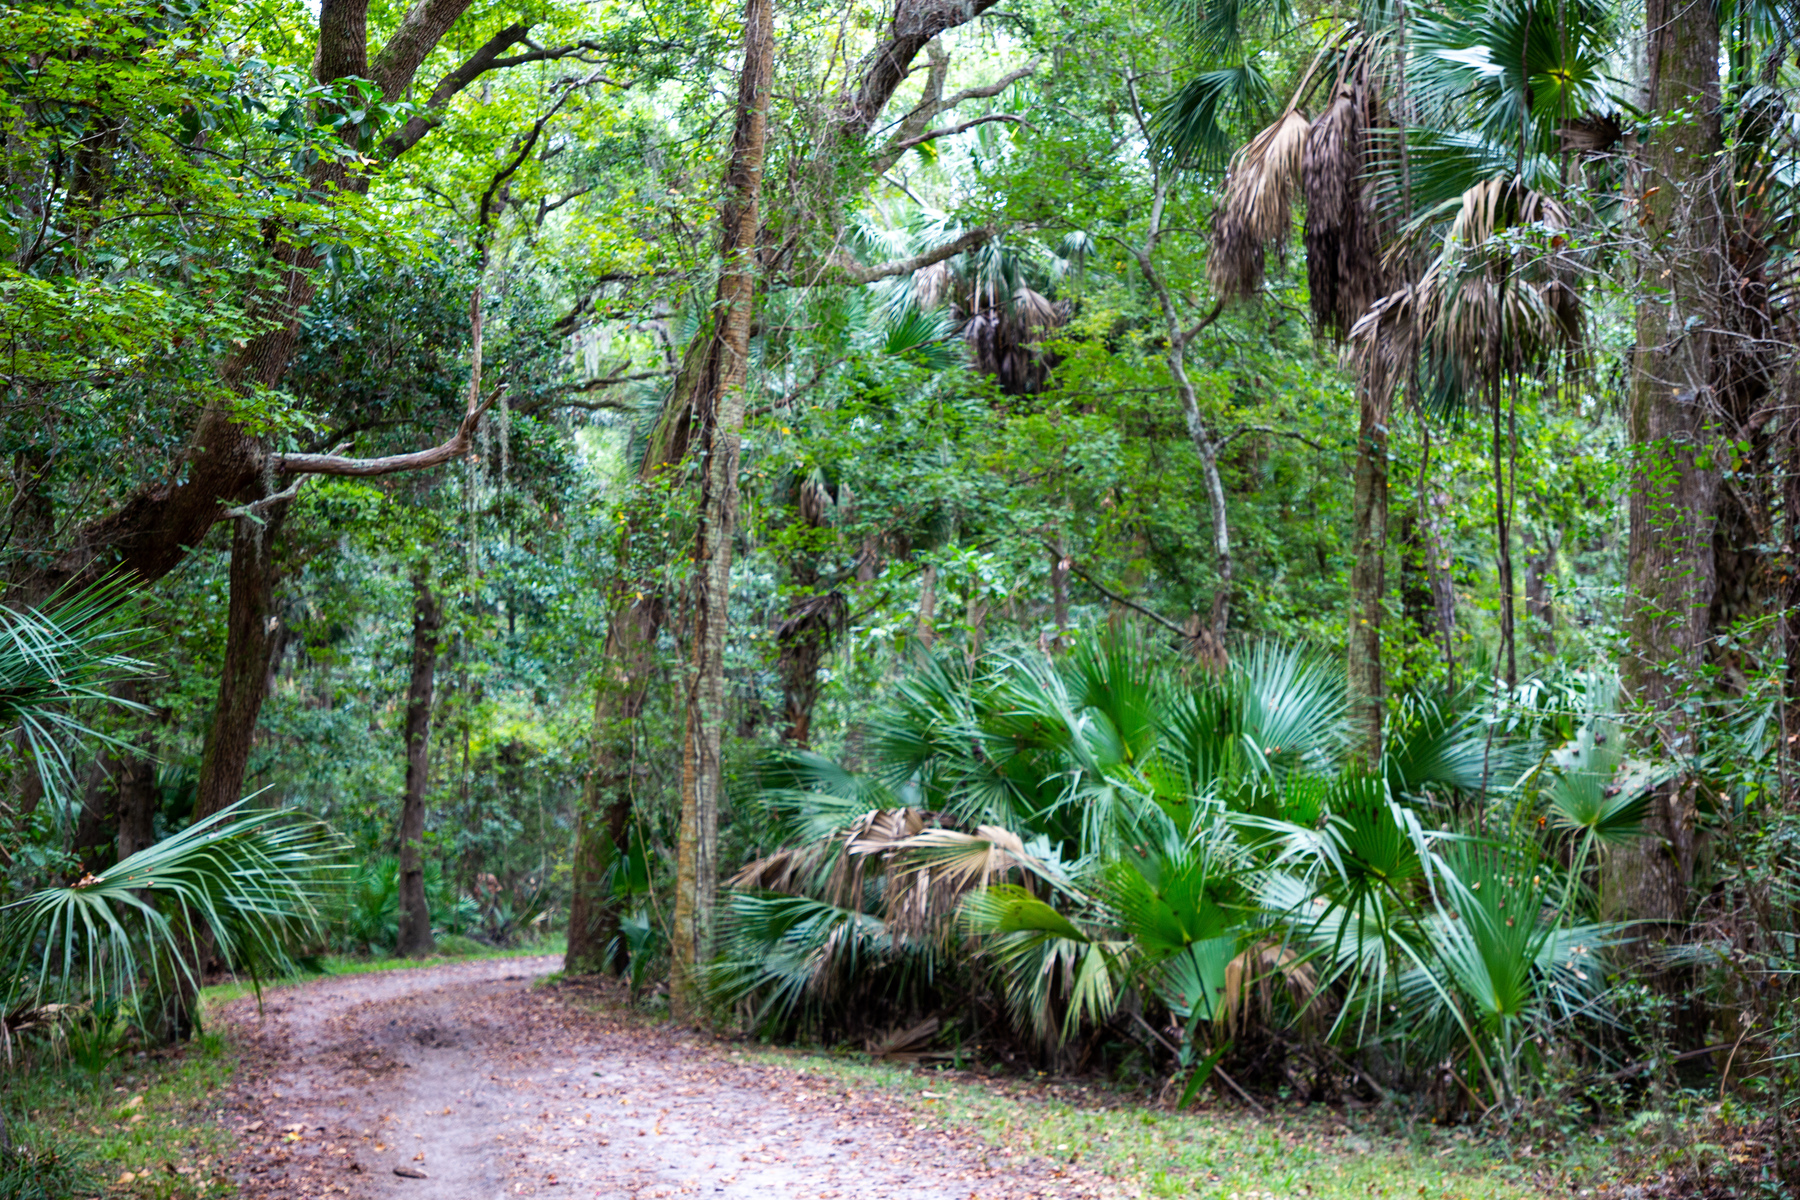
(925, 629)
(816, 614)
(250, 637)
(137, 801)
(720, 412)
(415, 939)
(804, 638)
(1540, 613)
(97, 825)
(603, 822)
(1503, 544)
(1675, 483)
(1368, 571)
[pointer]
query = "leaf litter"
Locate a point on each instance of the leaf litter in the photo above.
(469, 1082)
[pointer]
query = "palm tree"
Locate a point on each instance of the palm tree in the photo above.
(1327, 162)
(1419, 110)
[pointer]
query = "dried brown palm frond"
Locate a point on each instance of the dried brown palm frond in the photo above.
(1253, 978)
(1344, 268)
(1501, 306)
(938, 867)
(904, 1044)
(837, 868)
(1002, 338)
(932, 285)
(1385, 339)
(790, 870)
(1258, 209)
(1499, 203)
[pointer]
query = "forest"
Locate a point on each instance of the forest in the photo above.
(1245, 552)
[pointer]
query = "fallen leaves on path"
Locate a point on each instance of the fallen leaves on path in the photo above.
(494, 1087)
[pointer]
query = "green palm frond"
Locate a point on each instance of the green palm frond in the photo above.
(787, 949)
(1047, 963)
(250, 880)
(56, 659)
(1198, 123)
(1596, 791)
(1433, 747)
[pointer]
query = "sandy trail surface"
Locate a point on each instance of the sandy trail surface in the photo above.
(471, 1082)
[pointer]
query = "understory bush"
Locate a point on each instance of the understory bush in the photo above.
(1113, 847)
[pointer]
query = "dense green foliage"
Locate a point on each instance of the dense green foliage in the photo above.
(1264, 543)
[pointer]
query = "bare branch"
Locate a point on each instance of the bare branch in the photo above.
(487, 58)
(393, 464)
(1272, 431)
(911, 129)
(932, 134)
(845, 270)
(914, 23)
(1133, 605)
(256, 507)
(989, 90)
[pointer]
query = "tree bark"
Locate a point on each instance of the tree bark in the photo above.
(1675, 485)
(914, 24)
(1368, 571)
(720, 419)
(250, 636)
(1503, 545)
(415, 940)
(604, 820)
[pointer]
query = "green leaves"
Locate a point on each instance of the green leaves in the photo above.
(53, 660)
(1596, 790)
(251, 881)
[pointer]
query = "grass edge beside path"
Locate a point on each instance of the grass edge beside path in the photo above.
(1209, 1153)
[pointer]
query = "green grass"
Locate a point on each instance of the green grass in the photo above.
(142, 1126)
(1212, 1154)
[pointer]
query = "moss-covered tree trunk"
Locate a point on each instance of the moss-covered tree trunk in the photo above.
(1675, 481)
(1368, 571)
(415, 939)
(719, 424)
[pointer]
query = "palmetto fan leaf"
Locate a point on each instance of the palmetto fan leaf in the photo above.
(1596, 791)
(249, 880)
(1512, 68)
(1196, 122)
(54, 659)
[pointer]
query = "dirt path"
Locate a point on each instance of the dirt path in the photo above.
(485, 1086)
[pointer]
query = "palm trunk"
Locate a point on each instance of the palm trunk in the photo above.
(1503, 543)
(720, 409)
(415, 939)
(1368, 572)
(1675, 486)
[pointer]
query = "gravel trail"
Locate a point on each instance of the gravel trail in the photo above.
(467, 1082)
